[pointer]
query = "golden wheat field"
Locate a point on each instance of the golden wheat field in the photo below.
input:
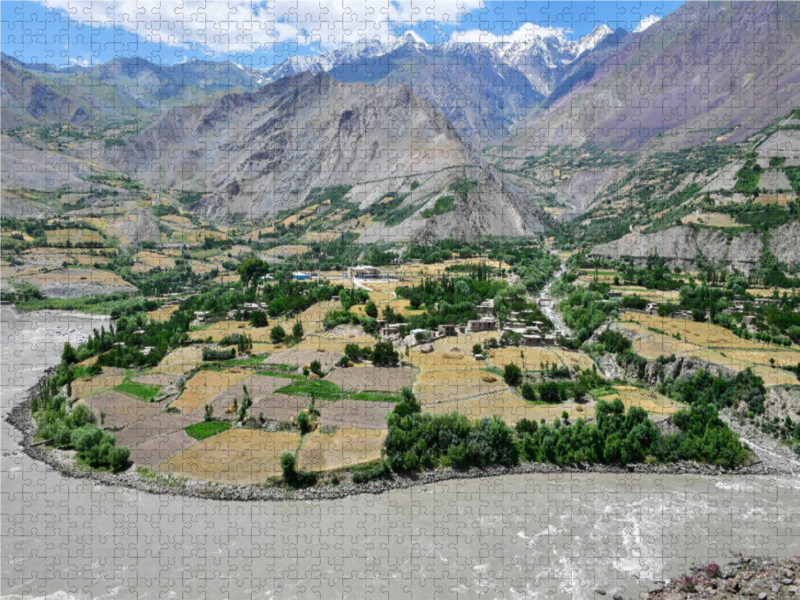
(204, 386)
(346, 447)
(653, 402)
(432, 387)
(73, 236)
(180, 361)
(234, 456)
(89, 386)
(655, 344)
(155, 260)
(702, 334)
(162, 314)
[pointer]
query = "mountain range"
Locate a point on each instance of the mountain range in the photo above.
(532, 123)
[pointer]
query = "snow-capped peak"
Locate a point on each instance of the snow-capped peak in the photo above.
(412, 37)
(590, 41)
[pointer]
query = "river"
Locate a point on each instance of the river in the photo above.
(525, 536)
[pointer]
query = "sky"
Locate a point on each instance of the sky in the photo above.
(260, 34)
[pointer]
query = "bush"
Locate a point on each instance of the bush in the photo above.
(316, 367)
(303, 422)
(528, 392)
(384, 355)
(288, 466)
(277, 334)
(378, 471)
(512, 375)
(476, 349)
(371, 310)
(258, 318)
(549, 392)
(297, 331)
(212, 354)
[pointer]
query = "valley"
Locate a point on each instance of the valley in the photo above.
(397, 265)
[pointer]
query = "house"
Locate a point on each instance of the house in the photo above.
(364, 272)
(486, 308)
(482, 324)
(447, 330)
(532, 339)
(651, 309)
(392, 329)
(750, 320)
(422, 334)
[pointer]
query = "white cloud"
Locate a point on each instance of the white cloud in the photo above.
(527, 32)
(646, 22)
(244, 26)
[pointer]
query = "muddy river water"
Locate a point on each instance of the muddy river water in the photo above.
(526, 536)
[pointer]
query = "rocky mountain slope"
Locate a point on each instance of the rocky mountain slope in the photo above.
(263, 152)
(124, 88)
(684, 246)
(706, 70)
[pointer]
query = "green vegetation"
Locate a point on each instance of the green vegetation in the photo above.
(145, 392)
(443, 205)
(326, 390)
(747, 177)
(206, 429)
(419, 441)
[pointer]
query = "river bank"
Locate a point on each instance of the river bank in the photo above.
(154, 482)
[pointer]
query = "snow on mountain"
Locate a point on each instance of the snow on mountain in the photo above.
(546, 49)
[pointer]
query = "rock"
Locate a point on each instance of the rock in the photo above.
(426, 348)
(762, 596)
(601, 592)
(617, 596)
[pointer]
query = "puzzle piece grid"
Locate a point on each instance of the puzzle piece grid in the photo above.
(547, 535)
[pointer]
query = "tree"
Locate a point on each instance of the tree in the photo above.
(384, 355)
(303, 422)
(371, 309)
(258, 318)
(288, 466)
(68, 355)
(512, 375)
(476, 349)
(297, 331)
(252, 269)
(209, 416)
(353, 352)
(549, 392)
(316, 367)
(277, 335)
(528, 392)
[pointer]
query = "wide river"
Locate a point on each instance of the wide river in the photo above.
(531, 536)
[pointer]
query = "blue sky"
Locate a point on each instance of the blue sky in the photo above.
(260, 34)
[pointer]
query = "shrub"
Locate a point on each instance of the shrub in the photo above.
(316, 367)
(212, 354)
(378, 471)
(528, 392)
(277, 334)
(549, 392)
(288, 466)
(371, 310)
(476, 349)
(384, 355)
(297, 331)
(512, 375)
(258, 318)
(303, 422)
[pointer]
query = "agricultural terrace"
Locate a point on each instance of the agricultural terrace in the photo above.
(268, 379)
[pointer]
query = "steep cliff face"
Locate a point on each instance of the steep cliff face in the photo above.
(683, 245)
(264, 151)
